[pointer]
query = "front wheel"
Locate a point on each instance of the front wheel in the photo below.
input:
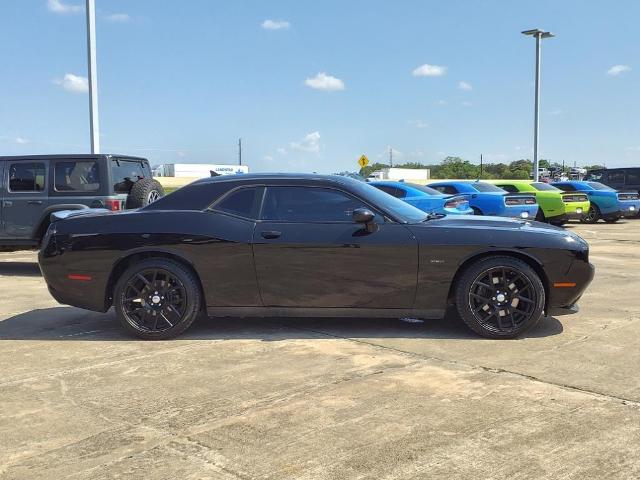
(500, 297)
(157, 299)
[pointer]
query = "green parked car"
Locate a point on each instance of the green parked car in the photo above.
(556, 206)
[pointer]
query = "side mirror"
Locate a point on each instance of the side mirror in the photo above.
(363, 215)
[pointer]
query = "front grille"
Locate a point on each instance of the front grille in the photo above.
(628, 196)
(574, 197)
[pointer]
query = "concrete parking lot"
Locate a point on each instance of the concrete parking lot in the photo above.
(334, 399)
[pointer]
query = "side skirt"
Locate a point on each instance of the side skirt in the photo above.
(323, 312)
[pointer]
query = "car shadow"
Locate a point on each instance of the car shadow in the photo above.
(69, 323)
(23, 269)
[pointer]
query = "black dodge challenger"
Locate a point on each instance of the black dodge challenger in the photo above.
(312, 245)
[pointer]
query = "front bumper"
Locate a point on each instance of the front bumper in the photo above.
(563, 301)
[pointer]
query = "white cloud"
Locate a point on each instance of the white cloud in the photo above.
(325, 82)
(633, 149)
(466, 104)
(462, 85)
(441, 102)
(427, 70)
(556, 112)
(275, 25)
(618, 69)
(281, 151)
(268, 158)
(310, 143)
(418, 123)
(57, 6)
(118, 18)
(21, 140)
(73, 83)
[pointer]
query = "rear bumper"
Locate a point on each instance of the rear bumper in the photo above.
(629, 209)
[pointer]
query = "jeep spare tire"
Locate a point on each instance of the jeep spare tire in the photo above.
(144, 192)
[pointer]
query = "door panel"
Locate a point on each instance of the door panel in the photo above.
(25, 197)
(338, 265)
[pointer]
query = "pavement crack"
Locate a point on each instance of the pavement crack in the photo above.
(494, 370)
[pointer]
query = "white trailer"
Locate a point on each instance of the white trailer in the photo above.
(417, 175)
(197, 170)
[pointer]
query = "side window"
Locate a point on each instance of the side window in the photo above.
(243, 202)
(26, 177)
(76, 176)
(387, 189)
(448, 189)
(400, 193)
(125, 173)
(309, 204)
(509, 188)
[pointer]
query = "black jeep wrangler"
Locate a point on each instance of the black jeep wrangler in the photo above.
(34, 186)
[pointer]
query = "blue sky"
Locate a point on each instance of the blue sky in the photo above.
(311, 85)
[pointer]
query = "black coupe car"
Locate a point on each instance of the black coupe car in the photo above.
(312, 245)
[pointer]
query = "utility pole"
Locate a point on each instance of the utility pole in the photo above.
(539, 35)
(390, 157)
(240, 151)
(94, 127)
(480, 165)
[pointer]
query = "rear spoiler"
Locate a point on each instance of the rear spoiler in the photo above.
(64, 214)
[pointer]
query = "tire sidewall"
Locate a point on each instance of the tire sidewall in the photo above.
(467, 278)
(192, 291)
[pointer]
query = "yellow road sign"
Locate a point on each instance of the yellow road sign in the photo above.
(363, 161)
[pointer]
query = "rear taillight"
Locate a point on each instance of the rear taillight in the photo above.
(574, 198)
(113, 205)
(530, 201)
(628, 196)
(519, 201)
(456, 203)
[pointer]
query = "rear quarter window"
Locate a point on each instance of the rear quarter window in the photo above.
(76, 176)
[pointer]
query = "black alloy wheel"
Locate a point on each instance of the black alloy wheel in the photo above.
(592, 215)
(157, 299)
(500, 297)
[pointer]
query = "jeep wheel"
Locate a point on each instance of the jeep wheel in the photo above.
(144, 192)
(500, 297)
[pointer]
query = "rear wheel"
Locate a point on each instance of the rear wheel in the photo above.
(157, 299)
(500, 297)
(477, 211)
(592, 215)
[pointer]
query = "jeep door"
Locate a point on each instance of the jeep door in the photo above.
(25, 197)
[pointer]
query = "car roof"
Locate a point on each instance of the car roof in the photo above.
(258, 177)
(71, 156)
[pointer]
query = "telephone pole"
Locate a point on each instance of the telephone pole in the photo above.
(390, 157)
(240, 151)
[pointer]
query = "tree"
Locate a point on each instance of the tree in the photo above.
(372, 167)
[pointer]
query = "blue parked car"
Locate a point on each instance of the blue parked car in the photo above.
(425, 198)
(487, 199)
(606, 203)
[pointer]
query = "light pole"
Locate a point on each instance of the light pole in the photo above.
(539, 35)
(93, 76)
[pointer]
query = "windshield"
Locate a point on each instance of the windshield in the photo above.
(399, 209)
(600, 186)
(425, 189)
(545, 187)
(486, 187)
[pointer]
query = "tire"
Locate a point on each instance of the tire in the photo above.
(592, 215)
(612, 220)
(157, 299)
(144, 192)
(479, 307)
(540, 216)
(477, 211)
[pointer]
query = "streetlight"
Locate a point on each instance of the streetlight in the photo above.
(539, 35)
(93, 77)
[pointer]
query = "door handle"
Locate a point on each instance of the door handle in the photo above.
(270, 234)
(34, 202)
